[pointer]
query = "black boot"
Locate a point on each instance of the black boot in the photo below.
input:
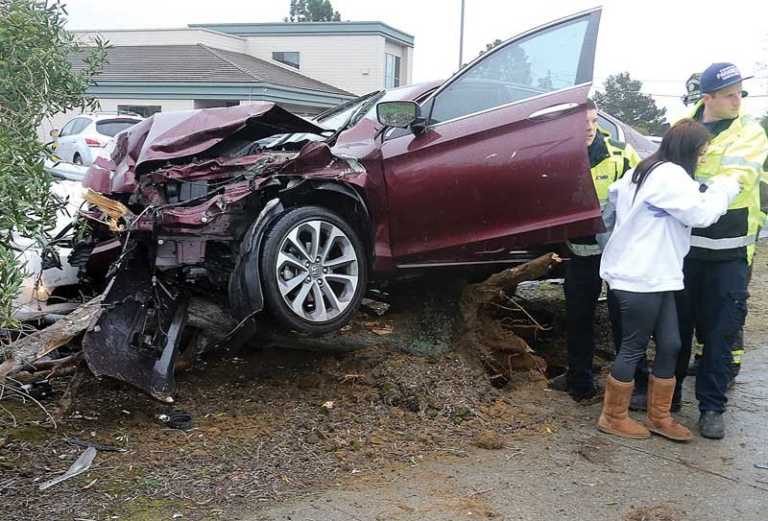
(677, 399)
(580, 394)
(639, 401)
(578, 390)
(712, 425)
(559, 383)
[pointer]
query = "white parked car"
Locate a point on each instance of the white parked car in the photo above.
(623, 133)
(89, 136)
(42, 281)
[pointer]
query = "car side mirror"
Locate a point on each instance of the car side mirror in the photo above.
(54, 133)
(399, 114)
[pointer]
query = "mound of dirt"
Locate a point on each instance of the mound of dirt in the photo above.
(266, 425)
(655, 513)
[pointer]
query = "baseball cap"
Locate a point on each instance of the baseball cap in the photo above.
(719, 76)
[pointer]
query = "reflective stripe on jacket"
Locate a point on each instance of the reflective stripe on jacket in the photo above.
(741, 149)
(621, 157)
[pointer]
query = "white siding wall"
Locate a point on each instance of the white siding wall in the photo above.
(352, 63)
(393, 49)
(168, 105)
(109, 105)
(399, 51)
(408, 66)
(166, 37)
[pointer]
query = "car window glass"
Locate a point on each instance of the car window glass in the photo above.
(542, 62)
(111, 127)
(80, 124)
(607, 125)
(67, 130)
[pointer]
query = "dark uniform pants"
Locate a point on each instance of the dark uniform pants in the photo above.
(582, 289)
(714, 302)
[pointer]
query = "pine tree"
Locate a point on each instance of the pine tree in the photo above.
(312, 11)
(622, 98)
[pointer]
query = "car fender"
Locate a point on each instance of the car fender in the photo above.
(245, 290)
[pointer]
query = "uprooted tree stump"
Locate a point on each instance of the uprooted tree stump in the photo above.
(483, 306)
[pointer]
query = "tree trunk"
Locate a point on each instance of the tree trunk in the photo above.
(26, 351)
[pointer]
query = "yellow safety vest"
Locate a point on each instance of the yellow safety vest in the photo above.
(609, 170)
(740, 149)
(621, 157)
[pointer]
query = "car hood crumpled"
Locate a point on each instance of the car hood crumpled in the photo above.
(173, 137)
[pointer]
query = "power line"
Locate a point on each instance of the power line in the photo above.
(681, 95)
(602, 78)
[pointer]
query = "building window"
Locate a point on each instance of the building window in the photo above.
(140, 110)
(288, 58)
(391, 71)
(214, 103)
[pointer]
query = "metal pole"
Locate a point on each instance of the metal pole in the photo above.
(461, 36)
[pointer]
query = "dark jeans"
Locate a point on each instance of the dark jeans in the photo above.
(643, 315)
(582, 289)
(738, 345)
(715, 302)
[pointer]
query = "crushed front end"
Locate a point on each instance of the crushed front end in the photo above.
(166, 221)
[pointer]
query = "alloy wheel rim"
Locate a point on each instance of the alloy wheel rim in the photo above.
(317, 270)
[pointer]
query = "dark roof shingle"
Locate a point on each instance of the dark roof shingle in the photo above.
(195, 64)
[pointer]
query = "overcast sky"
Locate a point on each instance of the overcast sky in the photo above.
(658, 42)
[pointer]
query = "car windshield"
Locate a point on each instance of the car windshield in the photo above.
(334, 119)
(343, 116)
(337, 117)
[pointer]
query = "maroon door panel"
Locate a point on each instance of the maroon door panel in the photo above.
(475, 187)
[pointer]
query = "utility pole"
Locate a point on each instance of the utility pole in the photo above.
(461, 36)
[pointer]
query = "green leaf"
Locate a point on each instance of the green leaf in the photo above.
(37, 81)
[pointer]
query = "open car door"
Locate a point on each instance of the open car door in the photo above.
(501, 165)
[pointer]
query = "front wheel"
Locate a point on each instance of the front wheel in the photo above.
(314, 270)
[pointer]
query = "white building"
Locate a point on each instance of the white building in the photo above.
(305, 67)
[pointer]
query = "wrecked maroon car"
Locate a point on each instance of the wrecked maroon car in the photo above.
(270, 212)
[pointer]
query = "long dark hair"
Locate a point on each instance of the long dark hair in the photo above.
(682, 145)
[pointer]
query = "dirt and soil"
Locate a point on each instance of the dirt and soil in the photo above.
(271, 425)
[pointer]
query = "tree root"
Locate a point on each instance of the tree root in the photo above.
(501, 351)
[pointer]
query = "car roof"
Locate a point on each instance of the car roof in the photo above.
(642, 145)
(97, 116)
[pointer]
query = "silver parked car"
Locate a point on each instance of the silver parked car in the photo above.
(89, 136)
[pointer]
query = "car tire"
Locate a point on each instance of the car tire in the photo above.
(314, 270)
(77, 160)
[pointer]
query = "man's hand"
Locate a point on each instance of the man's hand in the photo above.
(741, 177)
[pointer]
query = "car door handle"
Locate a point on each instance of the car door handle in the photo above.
(554, 109)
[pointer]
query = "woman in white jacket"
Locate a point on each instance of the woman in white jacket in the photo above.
(656, 205)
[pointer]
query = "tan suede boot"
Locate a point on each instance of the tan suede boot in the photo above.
(660, 421)
(615, 416)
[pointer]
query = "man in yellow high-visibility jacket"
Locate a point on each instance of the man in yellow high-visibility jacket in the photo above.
(714, 299)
